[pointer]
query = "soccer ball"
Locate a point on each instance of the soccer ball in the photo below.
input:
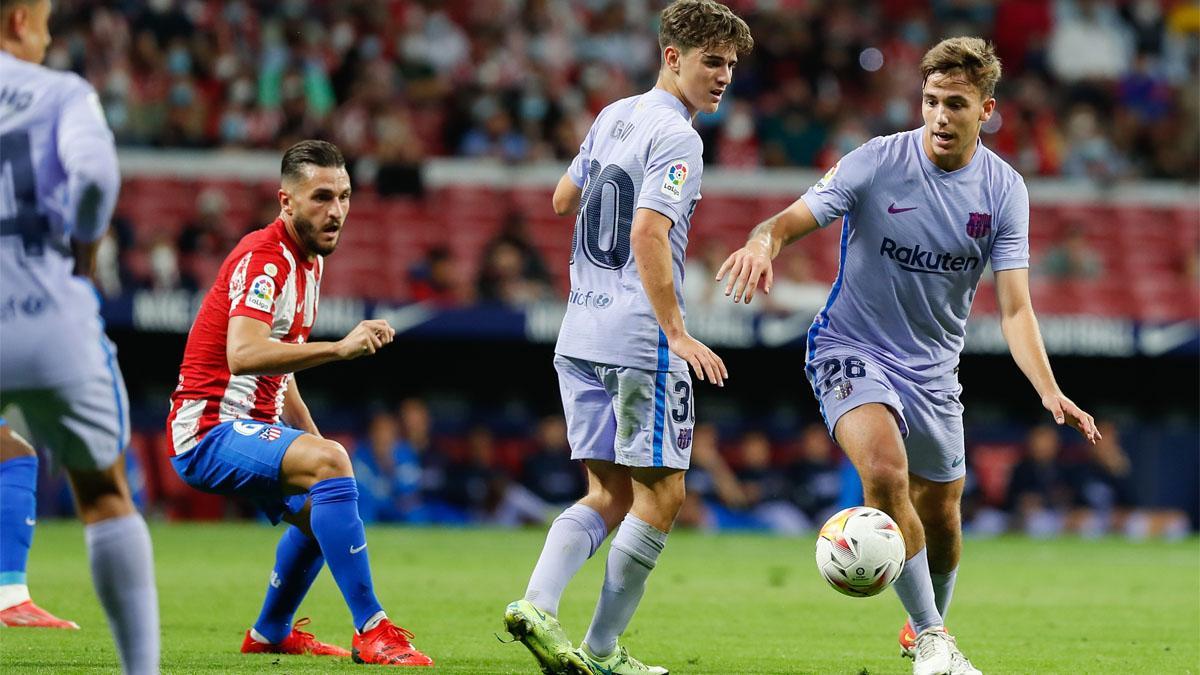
(860, 551)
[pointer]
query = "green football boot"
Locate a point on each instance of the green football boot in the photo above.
(544, 638)
(617, 663)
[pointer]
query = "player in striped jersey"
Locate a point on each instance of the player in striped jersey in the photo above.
(238, 425)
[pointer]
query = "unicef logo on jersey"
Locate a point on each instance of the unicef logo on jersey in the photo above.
(590, 299)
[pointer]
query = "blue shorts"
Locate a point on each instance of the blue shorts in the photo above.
(242, 458)
(930, 419)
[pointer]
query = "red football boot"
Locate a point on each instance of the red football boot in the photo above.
(297, 642)
(908, 640)
(388, 645)
(29, 615)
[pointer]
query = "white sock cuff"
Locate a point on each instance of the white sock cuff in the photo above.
(116, 528)
(590, 521)
(640, 540)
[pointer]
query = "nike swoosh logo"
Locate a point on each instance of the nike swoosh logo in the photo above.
(893, 209)
(356, 549)
(30, 521)
(958, 460)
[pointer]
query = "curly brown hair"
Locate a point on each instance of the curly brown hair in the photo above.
(687, 24)
(974, 57)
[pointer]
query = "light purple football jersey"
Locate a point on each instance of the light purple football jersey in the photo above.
(641, 153)
(914, 243)
(58, 181)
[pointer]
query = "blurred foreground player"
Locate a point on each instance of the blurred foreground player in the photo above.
(925, 211)
(235, 388)
(623, 351)
(58, 186)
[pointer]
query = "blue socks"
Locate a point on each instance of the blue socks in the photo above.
(337, 526)
(298, 560)
(18, 514)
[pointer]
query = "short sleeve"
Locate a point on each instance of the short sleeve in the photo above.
(1010, 250)
(578, 171)
(256, 283)
(841, 188)
(672, 178)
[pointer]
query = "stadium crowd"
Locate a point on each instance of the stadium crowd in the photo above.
(1092, 88)
(436, 462)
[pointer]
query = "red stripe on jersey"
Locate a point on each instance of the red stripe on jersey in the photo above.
(266, 277)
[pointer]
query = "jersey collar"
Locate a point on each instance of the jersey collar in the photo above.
(666, 98)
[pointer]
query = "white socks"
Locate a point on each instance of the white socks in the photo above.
(573, 537)
(915, 589)
(122, 565)
(633, 554)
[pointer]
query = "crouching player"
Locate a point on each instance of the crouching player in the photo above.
(236, 385)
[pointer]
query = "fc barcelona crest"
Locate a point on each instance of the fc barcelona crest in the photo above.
(685, 438)
(979, 225)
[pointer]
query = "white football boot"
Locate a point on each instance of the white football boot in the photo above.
(934, 652)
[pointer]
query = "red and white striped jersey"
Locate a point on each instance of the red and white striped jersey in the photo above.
(266, 277)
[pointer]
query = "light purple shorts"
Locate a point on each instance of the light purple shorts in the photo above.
(632, 417)
(930, 420)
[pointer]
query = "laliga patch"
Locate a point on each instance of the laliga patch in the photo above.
(825, 180)
(261, 294)
(674, 179)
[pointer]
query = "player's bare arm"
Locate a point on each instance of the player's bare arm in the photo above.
(751, 262)
(652, 251)
(295, 411)
(251, 351)
(566, 196)
(1020, 328)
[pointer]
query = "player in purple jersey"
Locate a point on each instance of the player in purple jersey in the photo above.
(58, 185)
(924, 211)
(623, 351)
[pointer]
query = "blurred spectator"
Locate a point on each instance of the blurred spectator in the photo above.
(548, 470)
(1040, 492)
(511, 273)
(388, 471)
(712, 488)
(436, 279)
(483, 492)
(767, 488)
(815, 477)
(1105, 491)
(391, 82)
(1073, 257)
(202, 242)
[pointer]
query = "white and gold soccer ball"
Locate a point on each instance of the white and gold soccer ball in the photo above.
(860, 551)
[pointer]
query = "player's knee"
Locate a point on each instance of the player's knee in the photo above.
(885, 480)
(331, 461)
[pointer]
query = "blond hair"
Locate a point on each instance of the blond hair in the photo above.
(687, 24)
(974, 57)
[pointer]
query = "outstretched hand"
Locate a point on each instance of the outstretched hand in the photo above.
(1065, 411)
(745, 266)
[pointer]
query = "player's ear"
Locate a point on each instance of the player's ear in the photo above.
(989, 106)
(285, 201)
(671, 58)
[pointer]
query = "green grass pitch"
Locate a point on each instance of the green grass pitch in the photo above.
(716, 604)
